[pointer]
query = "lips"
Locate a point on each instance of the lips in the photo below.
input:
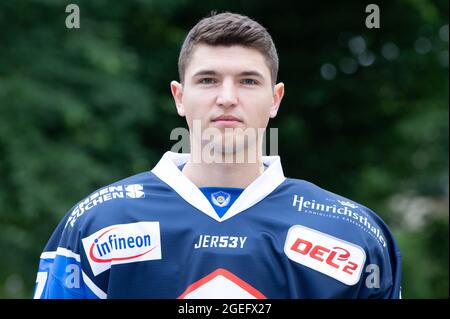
(225, 121)
(226, 118)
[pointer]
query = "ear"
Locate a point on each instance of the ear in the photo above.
(177, 93)
(278, 93)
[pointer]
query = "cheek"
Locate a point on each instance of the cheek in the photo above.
(260, 113)
(257, 118)
(196, 108)
(197, 101)
(264, 120)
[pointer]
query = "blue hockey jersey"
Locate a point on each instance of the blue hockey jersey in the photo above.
(156, 235)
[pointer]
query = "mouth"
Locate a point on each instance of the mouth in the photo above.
(227, 120)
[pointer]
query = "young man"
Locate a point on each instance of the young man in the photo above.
(222, 221)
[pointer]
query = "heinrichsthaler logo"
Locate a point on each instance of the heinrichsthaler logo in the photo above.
(343, 210)
(122, 244)
(130, 191)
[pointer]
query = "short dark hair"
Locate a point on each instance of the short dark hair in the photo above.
(229, 29)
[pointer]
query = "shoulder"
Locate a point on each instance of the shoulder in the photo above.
(100, 211)
(327, 224)
(304, 191)
(314, 191)
(338, 215)
(102, 205)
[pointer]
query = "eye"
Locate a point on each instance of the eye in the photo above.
(207, 81)
(249, 82)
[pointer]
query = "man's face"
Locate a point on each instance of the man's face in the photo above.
(227, 87)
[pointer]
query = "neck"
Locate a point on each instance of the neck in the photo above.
(222, 174)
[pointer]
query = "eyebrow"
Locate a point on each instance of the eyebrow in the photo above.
(251, 73)
(205, 72)
(214, 73)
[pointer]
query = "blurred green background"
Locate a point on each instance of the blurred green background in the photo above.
(365, 113)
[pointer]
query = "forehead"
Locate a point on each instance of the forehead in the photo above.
(227, 59)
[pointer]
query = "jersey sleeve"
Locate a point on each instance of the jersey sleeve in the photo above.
(383, 268)
(62, 271)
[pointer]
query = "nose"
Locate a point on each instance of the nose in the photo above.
(227, 95)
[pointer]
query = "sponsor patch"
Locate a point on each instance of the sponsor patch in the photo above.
(329, 255)
(341, 211)
(135, 191)
(122, 244)
(130, 191)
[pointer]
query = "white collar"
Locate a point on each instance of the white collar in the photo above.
(167, 170)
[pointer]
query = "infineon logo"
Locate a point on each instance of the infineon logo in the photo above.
(122, 244)
(329, 255)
